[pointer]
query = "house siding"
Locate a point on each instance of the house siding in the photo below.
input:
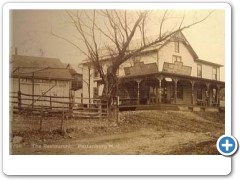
(62, 89)
(166, 53)
(86, 81)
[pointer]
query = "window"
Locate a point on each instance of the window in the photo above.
(199, 94)
(199, 70)
(96, 73)
(176, 45)
(177, 58)
(127, 71)
(180, 92)
(136, 59)
(214, 73)
(95, 92)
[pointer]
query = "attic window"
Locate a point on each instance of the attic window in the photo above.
(176, 58)
(176, 45)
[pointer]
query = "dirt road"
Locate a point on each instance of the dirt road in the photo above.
(148, 132)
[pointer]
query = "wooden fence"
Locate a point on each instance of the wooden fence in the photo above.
(56, 105)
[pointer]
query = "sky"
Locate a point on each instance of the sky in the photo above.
(31, 34)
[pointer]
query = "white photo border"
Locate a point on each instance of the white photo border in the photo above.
(114, 164)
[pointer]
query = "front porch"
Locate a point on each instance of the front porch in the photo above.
(170, 89)
(171, 107)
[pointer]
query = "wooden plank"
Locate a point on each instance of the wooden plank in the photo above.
(14, 102)
(13, 96)
(89, 117)
(67, 97)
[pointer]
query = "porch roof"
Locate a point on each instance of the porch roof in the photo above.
(172, 75)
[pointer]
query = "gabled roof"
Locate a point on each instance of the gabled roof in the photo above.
(104, 53)
(177, 36)
(33, 61)
(136, 43)
(43, 68)
(180, 36)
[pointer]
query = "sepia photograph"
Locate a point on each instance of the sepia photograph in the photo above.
(116, 81)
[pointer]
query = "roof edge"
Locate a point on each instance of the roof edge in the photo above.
(208, 62)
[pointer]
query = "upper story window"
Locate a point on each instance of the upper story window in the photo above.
(177, 58)
(136, 59)
(96, 73)
(176, 45)
(214, 73)
(199, 70)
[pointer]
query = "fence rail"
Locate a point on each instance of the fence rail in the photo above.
(38, 103)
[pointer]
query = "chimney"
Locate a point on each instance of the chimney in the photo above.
(16, 51)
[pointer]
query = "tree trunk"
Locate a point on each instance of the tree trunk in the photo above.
(110, 87)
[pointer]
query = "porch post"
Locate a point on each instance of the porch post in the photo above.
(192, 82)
(207, 95)
(175, 91)
(138, 88)
(160, 91)
(218, 94)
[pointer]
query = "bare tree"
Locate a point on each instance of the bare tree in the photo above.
(113, 32)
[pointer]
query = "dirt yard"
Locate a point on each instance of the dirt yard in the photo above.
(138, 132)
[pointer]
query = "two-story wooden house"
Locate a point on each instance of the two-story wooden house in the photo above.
(169, 73)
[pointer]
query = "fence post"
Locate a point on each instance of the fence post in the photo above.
(117, 107)
(41, 119)
(70, 103)
(81, 98)
(100, 109)
(32, 91)
(50, 102)
(11, 112)
(19, 101)
(107, 115)
(62, 118)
